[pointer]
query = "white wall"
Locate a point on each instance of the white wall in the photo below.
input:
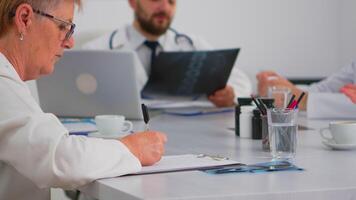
(308, 38)
(348, 35)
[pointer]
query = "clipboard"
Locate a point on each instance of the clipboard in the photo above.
(187, 162)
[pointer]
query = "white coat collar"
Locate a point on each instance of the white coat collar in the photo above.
(129, 38)
(8, 69)
(137, 39)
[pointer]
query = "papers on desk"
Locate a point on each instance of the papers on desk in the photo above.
(187, 162)
(184, 106)
(161, 101)
(187, 112)
(164, 104)
(77, 126)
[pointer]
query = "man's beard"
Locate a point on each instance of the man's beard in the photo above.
(150, 27)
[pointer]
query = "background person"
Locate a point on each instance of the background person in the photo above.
(150, 33)
(36, 151)
(329, 98)
(350, 91)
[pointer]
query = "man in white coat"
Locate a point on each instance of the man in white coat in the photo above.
(36, 150)
(333, 97)
(150, 34)
(350, 91)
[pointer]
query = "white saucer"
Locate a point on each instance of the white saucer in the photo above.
(99, 135)
(335, 146)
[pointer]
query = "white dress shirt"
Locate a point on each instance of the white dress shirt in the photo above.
(325, 99)
(36, 152)
(128, 38)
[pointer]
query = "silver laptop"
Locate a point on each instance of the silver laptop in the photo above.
(86, 83)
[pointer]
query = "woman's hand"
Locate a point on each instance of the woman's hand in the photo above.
(147, 146)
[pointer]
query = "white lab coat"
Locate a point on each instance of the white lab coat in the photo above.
(128, 38)
(325, 100)
(37, 153)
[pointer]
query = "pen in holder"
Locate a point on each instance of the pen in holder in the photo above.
(269, 104)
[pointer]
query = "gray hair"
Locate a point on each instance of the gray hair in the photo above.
(8, 8)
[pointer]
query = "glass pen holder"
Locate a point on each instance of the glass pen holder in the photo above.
(283, 130)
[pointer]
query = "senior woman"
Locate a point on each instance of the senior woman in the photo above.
(36, 152)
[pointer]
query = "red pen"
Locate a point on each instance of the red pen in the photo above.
(293, 104)
(299, 100)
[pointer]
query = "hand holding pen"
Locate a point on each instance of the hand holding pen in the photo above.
(147, 146)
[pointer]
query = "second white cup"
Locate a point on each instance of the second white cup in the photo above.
(343, 132)
(113, 124)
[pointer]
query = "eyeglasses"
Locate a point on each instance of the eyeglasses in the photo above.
(64, 26)
(256, 168)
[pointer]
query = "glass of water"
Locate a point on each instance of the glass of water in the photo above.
(282, 125)
(280, 94)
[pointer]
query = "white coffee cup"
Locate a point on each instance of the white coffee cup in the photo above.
(342, 132)
(113, 124)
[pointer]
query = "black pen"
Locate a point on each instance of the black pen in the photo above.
(146, 117)
(291, 101)
(299, 99)
(258, 105)
(263, 106)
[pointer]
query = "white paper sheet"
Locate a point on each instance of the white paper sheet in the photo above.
(186, 162)
(162, 104)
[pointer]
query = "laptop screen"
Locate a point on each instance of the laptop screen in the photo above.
(86, 83)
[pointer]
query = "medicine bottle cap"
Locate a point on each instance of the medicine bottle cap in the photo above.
(244, 101)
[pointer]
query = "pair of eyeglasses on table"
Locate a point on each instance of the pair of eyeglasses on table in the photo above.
(256, 168)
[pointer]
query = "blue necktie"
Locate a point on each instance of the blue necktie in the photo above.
(152, 45)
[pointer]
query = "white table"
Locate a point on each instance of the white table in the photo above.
(328, 174)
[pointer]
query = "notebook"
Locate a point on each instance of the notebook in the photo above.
(86, 83)
(190, 73)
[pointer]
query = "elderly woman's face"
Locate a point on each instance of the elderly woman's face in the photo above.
(49, 38)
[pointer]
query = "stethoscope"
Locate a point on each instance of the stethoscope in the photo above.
(179, 38)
